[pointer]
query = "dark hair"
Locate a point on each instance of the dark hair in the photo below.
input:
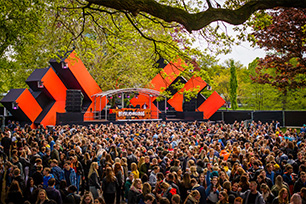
(149, 197)
(72, 188)
(14, 187)
(51, 181)
(101, 200)
(164, 201)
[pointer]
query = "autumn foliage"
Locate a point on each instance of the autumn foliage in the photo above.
(285, 65)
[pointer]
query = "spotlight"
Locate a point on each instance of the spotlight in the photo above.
(15, 106)
(119, 96)
(209, 88)
(40, 84)
(64, 65)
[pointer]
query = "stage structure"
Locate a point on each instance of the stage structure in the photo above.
(65, 92)
(126, 113)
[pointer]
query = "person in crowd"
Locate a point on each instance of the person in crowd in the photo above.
(56, 171)
(73, 197)
(296, 199)
(68, 174)
(109, 186)
(14, 194)
(300, 183)
(42, 198)
(282, 198)
(47, 176)
(176, 199)
(99, 200)
(135, 192)
(266, 193)
(175, 158)
(79, 171)
(87, 198)
(223, 198)
(238, 200)
(120, 178)
(252, 195)
(93, 180)
(193, 197)
(38, 175)
(52, 192)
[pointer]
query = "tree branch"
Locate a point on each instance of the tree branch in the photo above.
(198, 20)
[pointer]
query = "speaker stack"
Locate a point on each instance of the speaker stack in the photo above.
(189, 106)
(74, 100)
(112, 117)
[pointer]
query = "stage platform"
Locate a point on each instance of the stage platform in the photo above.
(93, 122)
(78, 118)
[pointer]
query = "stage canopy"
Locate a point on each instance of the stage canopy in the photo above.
(149, 92)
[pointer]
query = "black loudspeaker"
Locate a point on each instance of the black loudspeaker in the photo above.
(66, 118)
(189, 105)
(74, 100)
(112, 117)
(163, 116)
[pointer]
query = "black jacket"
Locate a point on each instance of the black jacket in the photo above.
(94, 180)
(110, 187)
(134, 196)
(298, 185)
(72, 198)
(15, 197)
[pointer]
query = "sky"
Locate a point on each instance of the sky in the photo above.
(243, 53)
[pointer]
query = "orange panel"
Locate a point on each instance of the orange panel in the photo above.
(194, 83)
(165, 77)
(54, 85)
(140, 100)
(29, 105)
(211, 105)
(82, 75)
(177, 101)
(160, 82)
(50, 118)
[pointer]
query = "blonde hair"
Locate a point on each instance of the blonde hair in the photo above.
(193, 171)
(134, 166)
(93, 168)
(192, 194)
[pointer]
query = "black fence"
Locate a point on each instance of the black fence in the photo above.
(286, 118)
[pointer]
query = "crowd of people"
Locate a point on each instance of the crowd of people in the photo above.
(153, 163)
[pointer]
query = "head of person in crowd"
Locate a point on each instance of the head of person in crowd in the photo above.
(223, 197)
(67, 165)
(87, 198)
(283, 196)
(149, 199)
(238, 200)
(164, 201)
(53, 163)
(42, 196)
(176, 199)
(296, 199)
(99, 200)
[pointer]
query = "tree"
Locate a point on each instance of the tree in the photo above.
(111, 51)
(178, 11)
(285, 67)
(233, 85)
